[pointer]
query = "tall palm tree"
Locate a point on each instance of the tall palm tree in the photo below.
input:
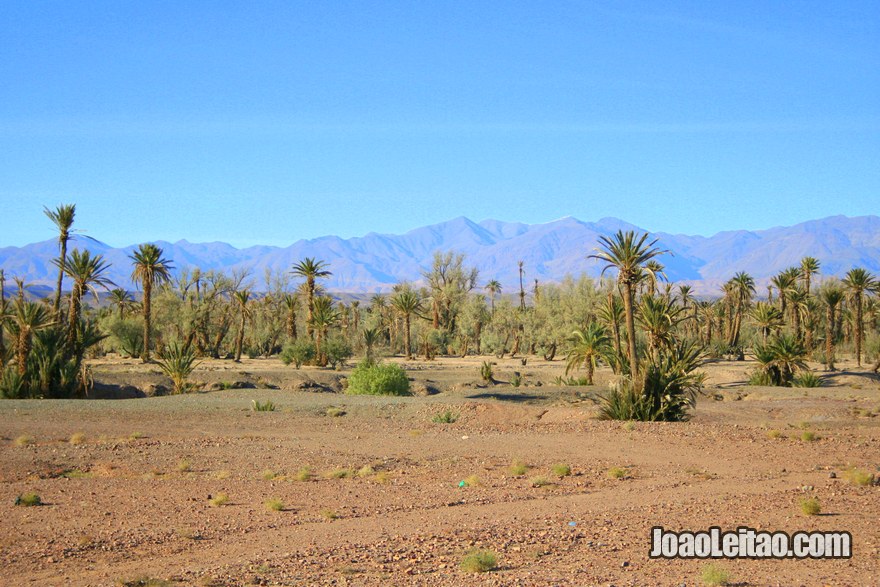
(611, 313)
(311, 270)
(858, 282)
(658, 317)
(371, 339)
(150, 269)
(121, 299)
(832, 295)
(494, 288)
(241, 298)
(407, 303)
(785, 283)
(62, 216)
(4, 315)
(522, 292)
(743, 289)
(809, 267)
(587, 346)
(627, 252)
(87, 273)
(653, 271)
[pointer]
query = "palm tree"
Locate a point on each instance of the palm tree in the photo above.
(4, 315)
(858, 282)
(62, 217)
(653, 271)
(784, 283)
(767, 317)
(809, 267)
(311, 270)
(588, 345)
(324, 316)
(290, 302)
(743, 288)
(150, 269)
(241, 298)
(627, 252)
(28, 318)
(121, 299)
(611, 313)
(658, 317)
(407, 303)
(522, 291)
(87, 273)
(832, 295)
(371, 338)
(494, 288)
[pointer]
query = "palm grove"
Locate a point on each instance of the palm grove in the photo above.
(652, 334)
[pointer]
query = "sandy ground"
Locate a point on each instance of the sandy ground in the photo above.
(132, 498)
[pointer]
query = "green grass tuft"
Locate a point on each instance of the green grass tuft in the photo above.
(561, 470)
(714, 575)
(274, 505)
(479, 561)
(29, 499)
(811, 506)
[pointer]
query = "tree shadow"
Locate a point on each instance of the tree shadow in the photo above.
(509, 397)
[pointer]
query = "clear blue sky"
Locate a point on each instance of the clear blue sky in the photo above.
(267, 122)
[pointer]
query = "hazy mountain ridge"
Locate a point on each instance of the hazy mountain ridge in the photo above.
(551, 250)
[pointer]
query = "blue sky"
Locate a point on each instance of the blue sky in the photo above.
(267, 122)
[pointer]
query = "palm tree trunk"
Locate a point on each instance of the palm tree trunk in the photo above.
(829, 339)
(310, 330)
(148, 290)
(407, 337)
(56, 305)
(590, 371)
(239, 340)
(23, 349)
(859, 325)
(630, 329)
(73, 317)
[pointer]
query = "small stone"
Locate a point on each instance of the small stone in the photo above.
(832, 475)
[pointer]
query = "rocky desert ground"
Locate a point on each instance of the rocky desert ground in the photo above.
(332, 489)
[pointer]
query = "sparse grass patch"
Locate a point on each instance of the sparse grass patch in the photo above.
(184, 466)
(629, 426)
(76, 474)
(811, 506)
(809, 436)
(274, 504)
(774, 434)
(77, 438)
(135, 436)
(518, 468)
(268, 475)
(382, 477)
(219, 500)
(715, 575)
(539, 482)
(304, 474)
(266, 406)
(858, 477)
(447, 417)
(701, 473)
(188, 534)
(144, 582)
(24, 440)
(478, 561)
(561, 470)
(329, 515)
(366, 471)
(470, 481)
(222, 474)
(618, 472)
(339, 474)
(334, 412)
(806, 379)
(29, 499)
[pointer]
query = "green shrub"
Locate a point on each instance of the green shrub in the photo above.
(447, 417)
(811, 507)
(516, 380)
(570, 381)
(378, 379)
(266, 406)
(486, 373)
(299, 353)
(337, 351)
(760, 378)
(561, 470)
(274, 504)
(479, 561)
(806, 379)
(858, 477)
(28, 500)
(12, 385)
(178, 362)
(127, 336)
(714, 575)
(518, 468)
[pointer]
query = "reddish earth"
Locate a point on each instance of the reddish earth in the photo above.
(131, 499)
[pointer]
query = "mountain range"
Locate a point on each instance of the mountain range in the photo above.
(550, 251)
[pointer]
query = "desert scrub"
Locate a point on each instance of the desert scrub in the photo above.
(561, 470)
(806, 379)
(334, 412)
(858, 477)
(366, 471)
(77, 438)
(774, 434)
(518, 468)
(184, 466)
(339, 474)
(304, 474)
(447, 417)
(539, 482)
(618, 472)
(470, 481)
(378, 379)
(299, 353)
(219, 500)
(268, 475)
(809, 436)
(24, 440)
(714, 575)
(479, 561)
(811, 506)
(486, 373)
(329, 515)
(266, 406)
(29, 499)
(144, 582)
(274, 505)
